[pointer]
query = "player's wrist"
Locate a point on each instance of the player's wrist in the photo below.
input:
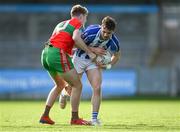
(92, 55)
(108, 66)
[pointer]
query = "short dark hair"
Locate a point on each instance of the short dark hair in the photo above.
(78, 9)
(109, 23)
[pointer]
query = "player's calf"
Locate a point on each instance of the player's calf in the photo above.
(64, 96)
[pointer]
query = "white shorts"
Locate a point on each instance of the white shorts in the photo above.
(81, 65)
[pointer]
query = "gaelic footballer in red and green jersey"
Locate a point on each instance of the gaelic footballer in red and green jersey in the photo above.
(56, 57)
(62, 35)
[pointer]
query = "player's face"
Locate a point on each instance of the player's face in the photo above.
(105, 33)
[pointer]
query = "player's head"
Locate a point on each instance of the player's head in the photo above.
(107, 27)
(80, 12)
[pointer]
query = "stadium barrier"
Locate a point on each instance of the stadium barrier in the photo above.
(36, 84)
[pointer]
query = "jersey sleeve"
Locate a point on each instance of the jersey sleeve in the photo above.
(115, 45)
(89, 34)
(84, 36)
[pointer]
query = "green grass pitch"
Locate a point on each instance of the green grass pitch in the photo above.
(116, 116)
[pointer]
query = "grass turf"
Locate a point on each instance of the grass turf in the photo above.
(116, 115)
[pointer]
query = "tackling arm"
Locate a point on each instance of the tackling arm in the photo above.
(97, 50)
(80, 44)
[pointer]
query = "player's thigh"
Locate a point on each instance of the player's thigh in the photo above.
(95, 77)
(72, 78)
(79, 64)
(58, 80)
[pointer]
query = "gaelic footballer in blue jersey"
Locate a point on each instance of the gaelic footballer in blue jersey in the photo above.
(99, 38)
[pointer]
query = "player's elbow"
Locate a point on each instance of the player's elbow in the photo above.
(118, 57)
(75, 38)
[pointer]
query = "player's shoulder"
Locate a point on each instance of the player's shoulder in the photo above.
(93, 28)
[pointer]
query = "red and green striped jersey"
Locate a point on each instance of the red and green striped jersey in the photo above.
(62, 35)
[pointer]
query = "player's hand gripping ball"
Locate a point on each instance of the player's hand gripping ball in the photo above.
(104, 59)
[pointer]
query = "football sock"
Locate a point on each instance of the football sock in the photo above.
(94, 115)
(46, 111)
(75, 115)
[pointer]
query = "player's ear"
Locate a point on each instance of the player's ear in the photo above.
(81, 16)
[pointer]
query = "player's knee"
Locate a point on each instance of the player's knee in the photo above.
(78, 85)
(97, 90)
(58, 87)
(96, 86)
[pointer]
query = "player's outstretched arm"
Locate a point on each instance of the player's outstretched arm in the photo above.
(80, 44)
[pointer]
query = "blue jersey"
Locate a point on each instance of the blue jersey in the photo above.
(91, 36)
